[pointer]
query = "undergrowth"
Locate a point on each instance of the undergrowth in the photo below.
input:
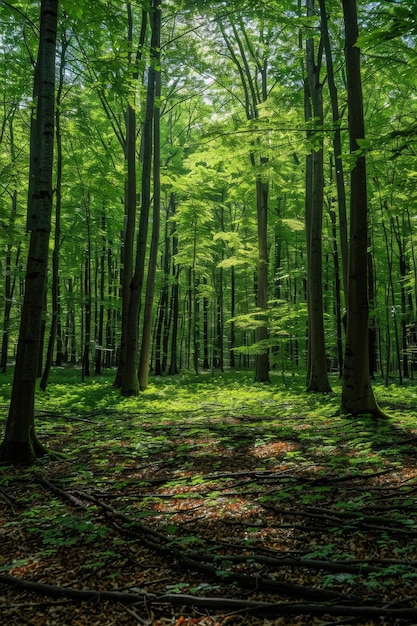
(208, 490)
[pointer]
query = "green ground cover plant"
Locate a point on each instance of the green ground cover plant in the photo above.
(210, 499)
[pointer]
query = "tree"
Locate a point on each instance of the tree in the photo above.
(20, 444)
(143, 369)
(130, 196)
(130, 383)
(317, 379)
(357, 393)
(57, 233)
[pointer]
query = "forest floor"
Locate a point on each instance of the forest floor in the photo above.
(210, 500)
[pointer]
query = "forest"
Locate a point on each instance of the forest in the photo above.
(208, 301)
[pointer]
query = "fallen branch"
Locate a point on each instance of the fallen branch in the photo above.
(332, 516)
(210, 603)
(84, 595)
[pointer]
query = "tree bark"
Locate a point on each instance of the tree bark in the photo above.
(143, 371)
(57, 233)
(130, 200)
(357, 394)
(317, 378)
(130, 382)
(262, 357)
(20, 444)
(9, 287)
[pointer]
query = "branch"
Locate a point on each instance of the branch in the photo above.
(208, 603)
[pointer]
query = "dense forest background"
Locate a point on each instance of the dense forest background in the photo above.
(203, 156)
(221, 195)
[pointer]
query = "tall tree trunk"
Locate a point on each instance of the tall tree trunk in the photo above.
(161, 347)
(317, 378)
(206, 361)
(20, 444)
(100, 320)
(392, 306)
(9, 287)
(357, 394)
(130, 382)
(337, 142)
(232, 345)
(130, 199)
(337, 289)
(175, 305)
(262, 357)
(195, 300)
(143, 370)
(406, 299)
(57, 233)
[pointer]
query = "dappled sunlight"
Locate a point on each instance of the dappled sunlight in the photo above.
(273, 450)
(263, 494)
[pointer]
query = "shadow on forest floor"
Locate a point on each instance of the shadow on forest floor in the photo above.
(211, 500)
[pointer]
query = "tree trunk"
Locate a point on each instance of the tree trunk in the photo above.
(57, 234)
(87, 298)
(130, 202)
(317, 378)
(130, 382)
(143, 370)
(232, 359)
(357, 394)
(100, 320)
(175, 305)
(206, 362)
(9, 287)
(337, 143)
(20, 444)
(261, 358)
(162, 324)
(337, 288)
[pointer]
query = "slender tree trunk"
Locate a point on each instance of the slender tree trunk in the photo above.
(219, 325)
(357, 394)
(161, 347)
(175, 303)
(110, 338)
(100, 320)
(143, 371)
(337, 143)
(9, 288)
(261, 358)
(337, 289)
(206, 362)
(20, 444)
(406, 300)
(317, 378)
(130, 382)
(232, 360)
(392, 305)
(130, 202)
(195, 300)
(57, 234)
(85, 363)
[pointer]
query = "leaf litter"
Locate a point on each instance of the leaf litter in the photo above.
(212, 516)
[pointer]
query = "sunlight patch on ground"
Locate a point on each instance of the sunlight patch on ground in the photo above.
(270, 450)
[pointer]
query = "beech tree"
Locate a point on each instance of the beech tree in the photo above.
(357, 393)
(317, 378)
(130, 382)
(20, 444)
